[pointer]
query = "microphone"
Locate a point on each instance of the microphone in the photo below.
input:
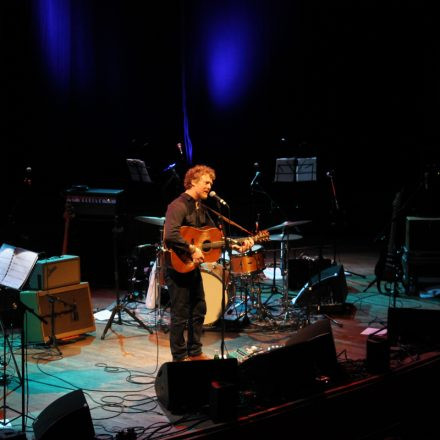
(179, 147)
(330, 173)
(254, 180)
(219, 199)
(169, 167)
(28, 176)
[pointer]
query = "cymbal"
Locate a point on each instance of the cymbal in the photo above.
(288, 224)
(285, 237)
(158, 221)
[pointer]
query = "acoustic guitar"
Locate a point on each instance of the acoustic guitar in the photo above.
(210, 240)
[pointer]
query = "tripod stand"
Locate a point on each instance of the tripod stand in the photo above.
(119, 307)
(15, 305)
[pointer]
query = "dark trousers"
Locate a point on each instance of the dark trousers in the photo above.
(188, 309)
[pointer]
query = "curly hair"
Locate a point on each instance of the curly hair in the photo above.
(195, 173)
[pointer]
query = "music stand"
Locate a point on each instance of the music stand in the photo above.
(295, 169)
(138, 171)
(16, 264)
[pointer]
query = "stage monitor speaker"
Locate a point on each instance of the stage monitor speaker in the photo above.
(327, 288)
(413, 326)
(286, 372)
(321, 344)
(291, 371)
(72, 312)
(67, 417)
(182, 386)
(302, 269)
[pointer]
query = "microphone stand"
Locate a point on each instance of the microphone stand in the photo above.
(22, 308)
(72, 309)
(283, 258)
(225, 249)
(337, 214)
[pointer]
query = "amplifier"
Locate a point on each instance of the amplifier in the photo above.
(93, 202)
(422, 234)
(72, 312)
(55, 272)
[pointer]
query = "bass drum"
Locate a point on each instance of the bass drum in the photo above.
(212, 285)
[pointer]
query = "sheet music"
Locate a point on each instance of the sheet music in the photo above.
(295, 169)
(16, 265)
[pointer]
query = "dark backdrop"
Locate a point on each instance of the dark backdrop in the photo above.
(89, 84)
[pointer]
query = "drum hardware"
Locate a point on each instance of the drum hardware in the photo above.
(250, 298)
(243, 317)
(136, 285)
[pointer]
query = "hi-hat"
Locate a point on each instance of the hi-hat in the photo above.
(288, 224)
(285, 237)
(159, 221)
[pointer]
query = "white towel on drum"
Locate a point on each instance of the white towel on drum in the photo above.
(153, 291)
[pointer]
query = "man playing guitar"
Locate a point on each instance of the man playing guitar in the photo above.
(188, 306)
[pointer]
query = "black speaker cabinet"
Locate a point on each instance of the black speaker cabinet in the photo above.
(302, 269)
(413, 326)
(327, 288)
(322, 349)
(67, 417)
(291, 371)
(422, 234)
(72, 312)
(182, 386)
(281, 373)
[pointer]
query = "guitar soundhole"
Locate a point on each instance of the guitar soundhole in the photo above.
(206, 246)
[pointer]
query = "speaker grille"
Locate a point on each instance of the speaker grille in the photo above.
(72, 312)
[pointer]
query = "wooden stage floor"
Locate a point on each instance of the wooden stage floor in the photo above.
(117, 373)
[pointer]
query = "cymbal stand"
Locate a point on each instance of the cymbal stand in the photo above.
(274, 288)
(284, 266)
(263, 311)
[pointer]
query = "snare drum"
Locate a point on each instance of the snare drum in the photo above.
(248, 263)
(212, 285)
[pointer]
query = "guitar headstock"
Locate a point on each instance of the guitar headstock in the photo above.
(69, 212)
(261, 236)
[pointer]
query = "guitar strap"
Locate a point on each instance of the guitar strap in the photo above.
(221, 216)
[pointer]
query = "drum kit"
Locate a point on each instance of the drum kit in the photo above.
(244, 274)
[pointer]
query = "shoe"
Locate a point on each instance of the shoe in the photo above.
(186, 358)
(200, 357)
